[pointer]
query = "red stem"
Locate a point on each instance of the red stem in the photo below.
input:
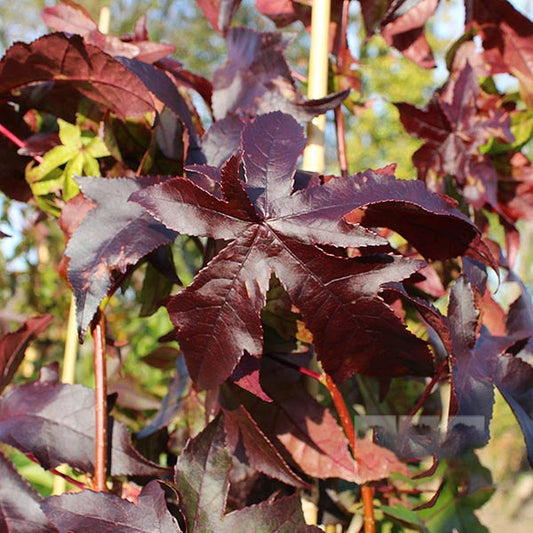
(427, 390)
(340, 47)
(341, 141)
(367, 491)
(342, 410)
(302, 369)
(100, 391)
(56, 472)
(17, 140)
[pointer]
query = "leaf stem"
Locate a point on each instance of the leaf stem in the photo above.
(367, 491)
(427, 390)
(302, 369)
(100, 390)
(57, 472)
(17, 140)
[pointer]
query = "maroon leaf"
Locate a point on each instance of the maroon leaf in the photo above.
(219, 13)
(55, 424)
(306, 432)
(70, 17)
(285, 12)
(19, 503)
(455, 126)
(13, 346)
(202, 481)
(162, 88)
(250, 445)
(256, 79)
(87, 512)
(353, 329)
(12, 166)
(481, 361)
(62, 59)
(507, 37)
(402, 26)
(113, 236)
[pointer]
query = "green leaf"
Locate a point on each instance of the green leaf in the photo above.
(466, 487)
(69, 134)
(404, 515)
(73, 168)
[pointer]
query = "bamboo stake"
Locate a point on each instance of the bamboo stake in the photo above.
(314, 155)
(100, 391)
(67, 376)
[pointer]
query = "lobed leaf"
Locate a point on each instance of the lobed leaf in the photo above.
(19, 503)
(202, 481)
(275, 230)
(14, 344)
(87, 511)
(56, 424)
(68, 60)
(113, 236)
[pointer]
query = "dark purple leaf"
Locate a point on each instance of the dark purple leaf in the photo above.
(13, 346)
(87, 512)
(62, 59)
(354, 330)
(70, 17)
(251, 446)
(481, 361)
(455, 126)
(113, 236)
(19, 503)
(161, 86)
(514, 379)
(256, 79)
(55, 423)
(222, 140)
(202, 482)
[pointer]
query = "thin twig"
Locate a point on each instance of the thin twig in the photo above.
(367, 491)
(340, 127)
(17, 140)
(100, 390)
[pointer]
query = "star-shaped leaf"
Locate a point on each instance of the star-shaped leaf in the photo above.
(113, 236)
(202, 482)
(274, 229)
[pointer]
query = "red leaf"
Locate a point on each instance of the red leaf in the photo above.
(13, 346)
(19, 503)
(219, 13)
(62, 59)
(87, 512)
(202, 481)
(507, 37)
(55, 423)
(275, 231)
